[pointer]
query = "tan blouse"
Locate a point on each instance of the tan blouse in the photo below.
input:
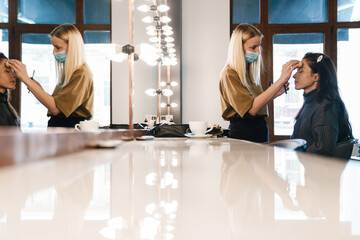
(77, 97)
(237, 98)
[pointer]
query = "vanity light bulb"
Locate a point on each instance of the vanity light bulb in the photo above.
(167, 28)
(143, 8)
(167, 92)
(173, 84)
(150, 28)
(168, 33)
(171, 50)
(147, 19)
(173, 105)
(163, 105)
(165, 19)
(170, 45)
(169, 39)
(163, 8)
(151, 33)
(151, 92)
(163, 84)
(154, 39)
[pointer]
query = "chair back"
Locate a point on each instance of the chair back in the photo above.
(344, 149)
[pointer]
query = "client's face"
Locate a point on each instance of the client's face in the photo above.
(305, 79)
(7, 77)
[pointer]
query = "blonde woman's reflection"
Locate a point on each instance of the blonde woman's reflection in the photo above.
(247, 180)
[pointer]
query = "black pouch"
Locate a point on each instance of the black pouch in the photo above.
(173, 130)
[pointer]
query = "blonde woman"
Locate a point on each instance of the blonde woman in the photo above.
(72, 99)
(8, 116)
(243, 101)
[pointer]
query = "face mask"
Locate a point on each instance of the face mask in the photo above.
(251, 57)
(60, 56)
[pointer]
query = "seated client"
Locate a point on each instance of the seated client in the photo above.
(322, 120)
(8, 115)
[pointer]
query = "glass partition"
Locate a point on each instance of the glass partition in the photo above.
(305, 11)
(287, 47)
(348, 10)
(246, 11)
(46, 12)
(4, 11)
(96, 11)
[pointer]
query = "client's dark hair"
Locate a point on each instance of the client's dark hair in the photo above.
(12, 110)
(327, 86)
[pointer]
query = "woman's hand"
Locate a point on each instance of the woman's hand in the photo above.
(20, 70)
(287, 70)
(282, 90)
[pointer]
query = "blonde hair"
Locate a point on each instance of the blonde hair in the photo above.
(236, 57)
(75, 55)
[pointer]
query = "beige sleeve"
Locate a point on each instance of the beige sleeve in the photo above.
(75, 93)
(236, 94)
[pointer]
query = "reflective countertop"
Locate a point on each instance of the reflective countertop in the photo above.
(181, 189)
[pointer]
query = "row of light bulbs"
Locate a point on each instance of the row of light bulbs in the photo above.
(161, 37)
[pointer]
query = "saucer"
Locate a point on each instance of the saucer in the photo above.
(192, 135)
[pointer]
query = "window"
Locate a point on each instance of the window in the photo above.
(25, 24)
(292, 28)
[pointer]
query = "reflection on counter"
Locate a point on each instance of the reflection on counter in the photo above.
(274, 193)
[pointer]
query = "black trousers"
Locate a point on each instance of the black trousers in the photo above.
(250, 129)
(61, 121)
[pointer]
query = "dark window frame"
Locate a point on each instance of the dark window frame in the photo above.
(17, 29)
(329, 29)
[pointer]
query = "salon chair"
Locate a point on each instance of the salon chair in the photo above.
(344, 149)
(295, 144)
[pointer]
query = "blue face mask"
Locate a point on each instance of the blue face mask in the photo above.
(251, 57)
(60, 56)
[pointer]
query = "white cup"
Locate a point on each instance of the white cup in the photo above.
(87, 126)
(169, 118)
(199, 127)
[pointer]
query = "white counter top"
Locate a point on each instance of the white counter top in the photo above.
(186, 189)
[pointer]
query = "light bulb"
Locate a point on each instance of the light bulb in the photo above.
(173, 84)
(173, 105)
(151, 92)
(172, 55)
(143, 8)
(147, 19)
(171, 50)
(170, 45)
(150, 28)
(165, 19)
(167, 92)
(168, 33)
(163, 105)
(163, 84)
(154, 39)
(167, 28)
(163, 8)
(151, 33)
(147, 53)
(169, 39)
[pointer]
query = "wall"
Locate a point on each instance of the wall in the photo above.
(205, 37)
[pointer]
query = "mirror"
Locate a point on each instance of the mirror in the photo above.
(145, 76)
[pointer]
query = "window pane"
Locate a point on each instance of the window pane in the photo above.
(46, 12)
(37, 55)
(246, 11)
(97, 11)
(287, 47)
(349, 85)
(4, 41)
(96, 44)
(304, 11)
(348, 10)
(4, 11)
